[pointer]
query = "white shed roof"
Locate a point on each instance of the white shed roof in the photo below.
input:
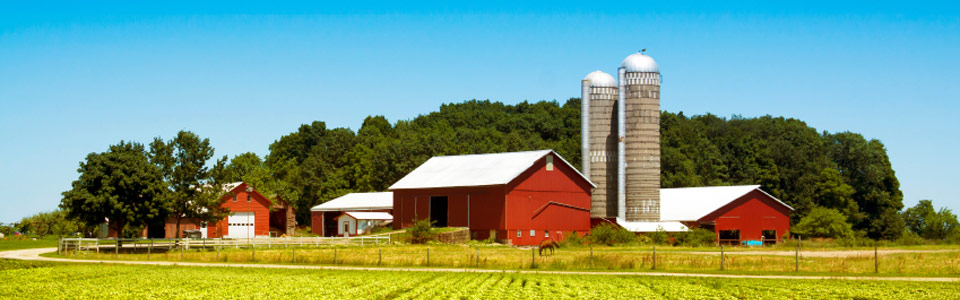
(691, 204)
(358, 201)
(364, 215)
(474, 170)
(668, 226)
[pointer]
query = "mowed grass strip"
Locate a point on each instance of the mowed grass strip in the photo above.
(81, 281)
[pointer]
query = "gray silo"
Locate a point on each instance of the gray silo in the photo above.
(639, 149)
(599, 141)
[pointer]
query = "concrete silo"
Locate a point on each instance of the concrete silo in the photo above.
(639, 143)
(599, 141)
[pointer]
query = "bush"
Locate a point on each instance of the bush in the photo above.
(824, 222)
(910, 238)
(659, 237)
(696, 238)
(607, 234)
(422, 231)
(572, 240)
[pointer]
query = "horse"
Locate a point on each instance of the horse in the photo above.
(548, 244)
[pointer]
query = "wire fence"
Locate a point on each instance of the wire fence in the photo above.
(379, 251)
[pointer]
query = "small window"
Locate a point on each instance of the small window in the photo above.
(519, 233)
(549, 162)
(248, 197)
(546, 233)
(533, 232)
(234, 198)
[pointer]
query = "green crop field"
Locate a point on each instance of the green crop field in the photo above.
(13, 244)
(26, 280)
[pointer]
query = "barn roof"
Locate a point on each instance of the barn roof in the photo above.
(358, 201)
(693, 203)
(474, 170)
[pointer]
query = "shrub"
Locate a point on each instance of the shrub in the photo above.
(659, 237)
(910, 238)
(422, 231)
(572, 240)
(696, 238)
(607, 234)
(824, 222)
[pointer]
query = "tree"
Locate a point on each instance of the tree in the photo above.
(193, 192)
(928, 223)
(824, 222)
(832, 192)
(120, 185)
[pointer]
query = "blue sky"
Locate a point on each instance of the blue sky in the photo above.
(77, 78)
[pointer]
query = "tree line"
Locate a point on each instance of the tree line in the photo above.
(807, 169)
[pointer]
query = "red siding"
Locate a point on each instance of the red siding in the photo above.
(316, 222)
(751, 214)
(557, 200)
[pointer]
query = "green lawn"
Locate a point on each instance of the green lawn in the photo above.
(10, 244)
(27, 280)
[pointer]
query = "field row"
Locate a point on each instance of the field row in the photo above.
(904, 264)
(45, 281)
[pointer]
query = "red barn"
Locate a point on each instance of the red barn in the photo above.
(251, 215)
(734, 213)
(521, 197)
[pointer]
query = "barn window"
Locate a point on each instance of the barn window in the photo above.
(533, 232)
(519, 233)
(234, 198)
(248, 197)
(546, 233)
(549, 162)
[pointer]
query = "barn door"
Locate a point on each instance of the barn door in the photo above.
(438, 210)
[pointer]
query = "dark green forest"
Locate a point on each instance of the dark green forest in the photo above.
(791, 160)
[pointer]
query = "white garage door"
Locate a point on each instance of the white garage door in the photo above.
(240, 225)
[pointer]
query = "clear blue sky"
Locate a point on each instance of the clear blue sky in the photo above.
(76, 78)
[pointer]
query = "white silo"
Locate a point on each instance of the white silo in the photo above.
(599, 141)
(638, 107)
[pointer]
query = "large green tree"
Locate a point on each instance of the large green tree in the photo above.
(194, 191)
(929, 223)
(119, 185)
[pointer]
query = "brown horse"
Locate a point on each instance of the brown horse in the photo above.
(548, 244)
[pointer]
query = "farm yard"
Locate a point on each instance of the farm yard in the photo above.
(40, 280)
(899, 261)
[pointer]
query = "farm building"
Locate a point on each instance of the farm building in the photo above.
(353, 223)
(520, 197)
(251, 215)
(736, 214)
(322, 217)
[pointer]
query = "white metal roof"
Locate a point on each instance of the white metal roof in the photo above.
(639, 62)
(600, 79)
(364, 215)
(693, 203)
(358, 201)
(473, 170)
(668, 226)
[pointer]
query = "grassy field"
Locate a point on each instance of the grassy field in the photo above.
(943, 264)
(11, 244)
(26, 280)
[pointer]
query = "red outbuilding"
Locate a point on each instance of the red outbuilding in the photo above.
(736, 214)
(520, 197)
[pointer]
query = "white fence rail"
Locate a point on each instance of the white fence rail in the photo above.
(76, 245)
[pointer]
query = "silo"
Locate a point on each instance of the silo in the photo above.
(599, 141)
(639, 83)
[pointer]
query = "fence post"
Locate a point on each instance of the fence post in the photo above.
(533, 258)
(116, 250)
(98, 246)
(428, 257)
(253, 251)
(876, 260)
(334, 255)
(181, 250)
(218, 249)
(796, 267)
(316, 242)
(149, 249)
(77, 252)
(59, 243)
(478, 257)
(380, 256)
(591, 256)
(293, 255)
(654, 257)
(721, 258)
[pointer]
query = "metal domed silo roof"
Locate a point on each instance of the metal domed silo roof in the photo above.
(600, 79)
(639, 62)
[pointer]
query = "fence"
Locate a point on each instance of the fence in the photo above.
(378, 251)
(86, 245)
